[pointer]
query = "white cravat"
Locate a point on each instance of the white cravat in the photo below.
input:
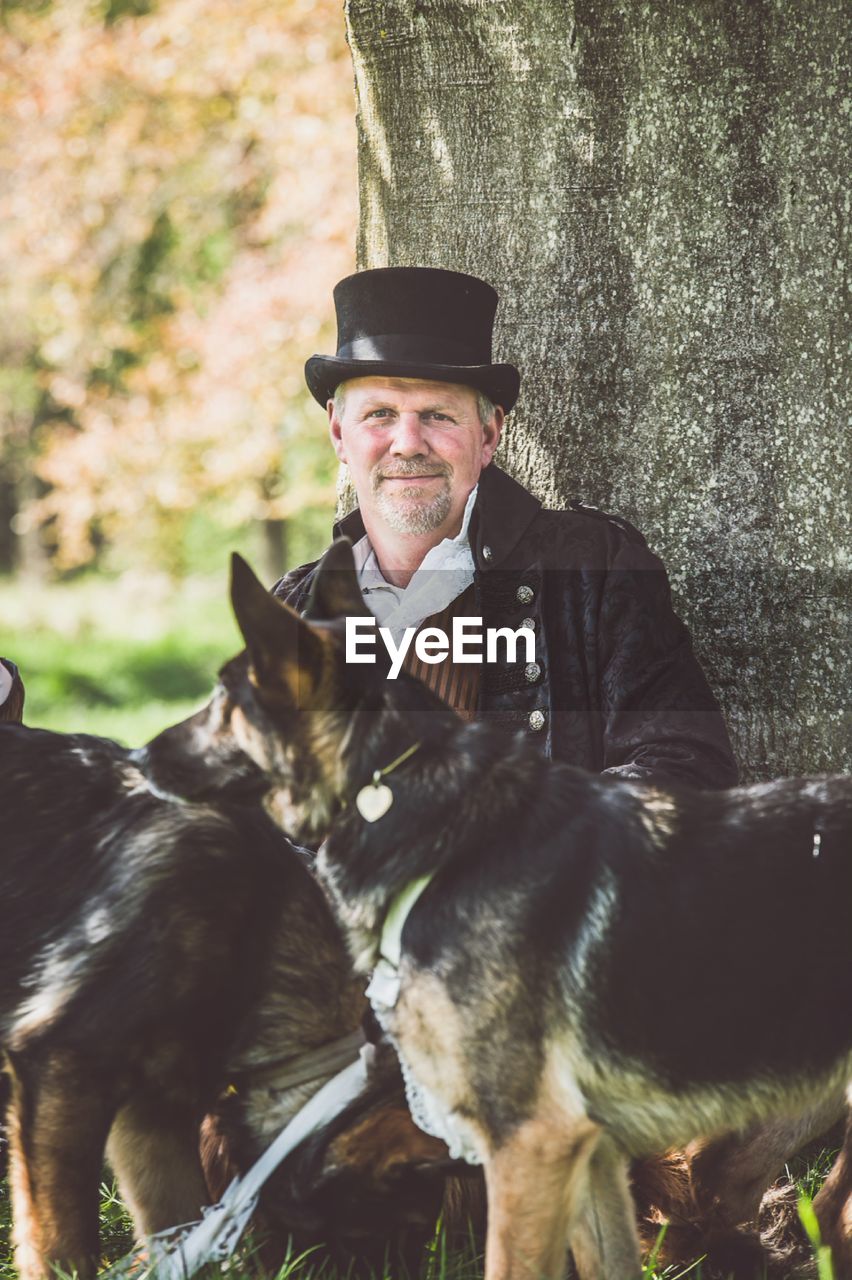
(444, 573)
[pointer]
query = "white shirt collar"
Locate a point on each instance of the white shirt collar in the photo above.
(444, 573)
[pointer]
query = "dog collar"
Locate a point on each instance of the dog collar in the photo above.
(374, 800)
(383, 988)
(390, 944)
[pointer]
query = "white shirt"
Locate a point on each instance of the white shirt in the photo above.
(444, 573)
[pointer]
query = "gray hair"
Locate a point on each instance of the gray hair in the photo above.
(339, 399)
(484, 407)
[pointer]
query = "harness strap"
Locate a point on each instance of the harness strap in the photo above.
(315, 1064)
(215, 1237)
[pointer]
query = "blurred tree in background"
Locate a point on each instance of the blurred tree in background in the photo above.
(178, 199)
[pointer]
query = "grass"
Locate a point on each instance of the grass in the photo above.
(440, 1262)
(125, 657)
(121, 658)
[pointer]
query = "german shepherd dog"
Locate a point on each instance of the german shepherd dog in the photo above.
(594, 969)
(151, 951)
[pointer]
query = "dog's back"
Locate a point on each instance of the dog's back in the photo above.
(110, 893)
(730, 949)
(683, 943)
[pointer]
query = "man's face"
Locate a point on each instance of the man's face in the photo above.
(414, 450)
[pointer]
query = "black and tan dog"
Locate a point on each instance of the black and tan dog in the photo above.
(589, 969)
(151, 951)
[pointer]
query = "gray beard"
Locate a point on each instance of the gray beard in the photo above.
(414, 517)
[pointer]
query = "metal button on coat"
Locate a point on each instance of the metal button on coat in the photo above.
(532, 671)
(524, 595)
(528, 624)
(487, 553)
(536, 720)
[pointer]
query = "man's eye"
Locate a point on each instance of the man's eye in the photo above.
(379, 413)
(439, 417)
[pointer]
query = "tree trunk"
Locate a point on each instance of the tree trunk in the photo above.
(656, 190)
(273, 553)
(8, 511)
(22, 545)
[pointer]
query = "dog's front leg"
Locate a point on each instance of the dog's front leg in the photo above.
(833, 1207)
(153, 1148)
(533, 1181)
(604, 1239)
(58, 1126)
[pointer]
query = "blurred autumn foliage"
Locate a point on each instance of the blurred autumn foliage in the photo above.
(177, 199)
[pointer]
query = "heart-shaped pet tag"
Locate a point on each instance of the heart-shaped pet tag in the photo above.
(373, 801)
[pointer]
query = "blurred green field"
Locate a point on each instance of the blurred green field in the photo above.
(122, 657)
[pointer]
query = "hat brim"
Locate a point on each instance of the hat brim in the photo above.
(500, 382)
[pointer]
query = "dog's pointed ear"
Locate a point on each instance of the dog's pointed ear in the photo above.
(266, 623)
(284, 651)
(335, 592)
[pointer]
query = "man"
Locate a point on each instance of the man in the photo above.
(416, 409)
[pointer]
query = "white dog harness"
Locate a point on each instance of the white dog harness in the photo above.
(181, 1251)
(427, 1112)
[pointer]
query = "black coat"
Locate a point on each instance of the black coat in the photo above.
(615, 686)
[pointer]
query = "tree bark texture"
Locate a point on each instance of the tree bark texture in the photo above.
(658, 192)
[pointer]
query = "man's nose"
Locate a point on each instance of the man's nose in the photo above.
(408, 438)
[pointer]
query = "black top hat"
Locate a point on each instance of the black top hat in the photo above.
(414, 322)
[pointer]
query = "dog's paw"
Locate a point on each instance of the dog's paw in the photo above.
(783, 1236)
